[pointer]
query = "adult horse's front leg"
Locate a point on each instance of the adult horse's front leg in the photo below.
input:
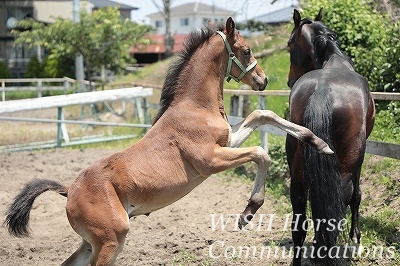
(242, 131)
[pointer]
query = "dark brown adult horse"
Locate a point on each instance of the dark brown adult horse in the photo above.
(333, 101)
(190, 140)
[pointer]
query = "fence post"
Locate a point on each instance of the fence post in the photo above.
(3, 91)
(244, 102)
(66, 87)
(123, 107)
(59, 132)
(39, 84)
(234, 105)
(262, 103)
(61, 128)
(139, 110)
(146, 114)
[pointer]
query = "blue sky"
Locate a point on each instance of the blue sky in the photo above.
(246, 9)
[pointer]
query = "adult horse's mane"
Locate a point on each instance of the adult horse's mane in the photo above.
(326, 41)
(194, 40)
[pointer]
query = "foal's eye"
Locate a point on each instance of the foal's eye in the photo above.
(247, 52)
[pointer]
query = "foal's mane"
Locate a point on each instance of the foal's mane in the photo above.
(194, 40)
(326, 41)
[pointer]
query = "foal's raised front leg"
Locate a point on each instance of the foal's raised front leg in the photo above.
(242, 131)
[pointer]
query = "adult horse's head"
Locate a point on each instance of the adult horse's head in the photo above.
(242, 66)
(301, 47)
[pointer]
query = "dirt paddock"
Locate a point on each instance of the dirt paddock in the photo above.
(187, 232)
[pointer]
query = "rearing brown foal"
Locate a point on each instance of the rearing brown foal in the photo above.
(190, 140)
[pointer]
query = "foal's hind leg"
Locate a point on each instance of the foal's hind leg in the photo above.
(242, 131)
(107, 235)
(106, 247)
(100, 218)
(81, 256)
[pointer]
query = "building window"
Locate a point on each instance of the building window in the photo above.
(159, 23)
(184, 22)
(206, 20)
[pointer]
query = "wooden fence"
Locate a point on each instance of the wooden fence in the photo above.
(237, 104)
(385, 149)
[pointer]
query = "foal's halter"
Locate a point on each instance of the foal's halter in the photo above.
(232, 57)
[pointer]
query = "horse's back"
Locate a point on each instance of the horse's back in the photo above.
(348, 90)
(351, 111)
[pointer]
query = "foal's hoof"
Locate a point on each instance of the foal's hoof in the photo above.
(244, 219)
(326, 150)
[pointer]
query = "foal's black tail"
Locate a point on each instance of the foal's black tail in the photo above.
(17, 214)
(322, 175)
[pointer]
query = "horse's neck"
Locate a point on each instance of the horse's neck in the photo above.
(202, 79)
(337, 61)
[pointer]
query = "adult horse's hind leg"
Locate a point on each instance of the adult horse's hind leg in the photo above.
(299, 223)
(81, 256)
(298, 197)
(355, 201)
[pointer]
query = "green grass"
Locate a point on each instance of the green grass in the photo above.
(276, 67)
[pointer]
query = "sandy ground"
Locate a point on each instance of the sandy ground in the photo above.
(184, 233)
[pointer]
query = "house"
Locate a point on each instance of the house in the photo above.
(184, 19)
(281, 15)
(187, 17)
(17, 56)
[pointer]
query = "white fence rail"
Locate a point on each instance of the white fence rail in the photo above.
(39, 85)
(60, 101)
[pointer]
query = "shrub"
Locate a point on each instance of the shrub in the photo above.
(4, 71)
(34, 69)
(367, 36)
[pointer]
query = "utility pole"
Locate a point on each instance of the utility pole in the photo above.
(79, 73)
(169, 40)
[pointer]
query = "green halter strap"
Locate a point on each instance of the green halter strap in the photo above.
(232, 57)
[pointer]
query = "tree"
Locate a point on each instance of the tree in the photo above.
(4, 71)
(101, 37)
(370, 38)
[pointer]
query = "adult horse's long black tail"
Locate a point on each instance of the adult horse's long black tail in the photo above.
(17, 214)
(322, 175)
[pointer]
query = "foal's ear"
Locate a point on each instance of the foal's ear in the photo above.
(230, 27)
(319, 16)
(296, 18)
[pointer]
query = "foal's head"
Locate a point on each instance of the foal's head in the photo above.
(241, 66)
